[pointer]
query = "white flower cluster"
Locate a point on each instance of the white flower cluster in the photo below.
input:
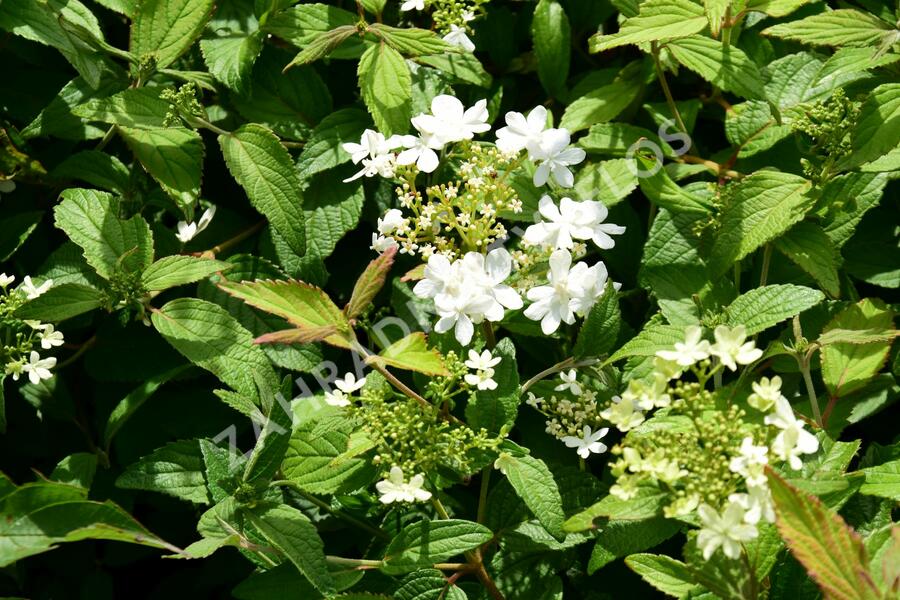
(35, 367)
(483, 366)
(345, 387)
(395, 488)
(731, 347)
(548, 148)
(468, 290)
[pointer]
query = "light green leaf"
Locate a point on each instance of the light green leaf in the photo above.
(763, 307)
(606, 102)
(412, 353)
(727, 67)
(671, 577)
(657, 20)
(883, 481)
(412, 41)
(172, 156)
(16, 229)
(653, 337)
(62, 302)
(175, 469)
(648, 503)
(386, 87)
(495, 410)
(762, 207)
(609, 181)
(318, 460)
(136, 108)
(289, 531)
(324, 148)
(851, 196)
(535, 485)
(846, 367)
(76, 469)
(463, 67)
(303, 23)
(332, 209)
(552, 38)
(263, 167)
(751, 126)
(621, 538)
(877, 129)
(322, 45)
(428, 584)
(230, 58)
(809, 246)
(172, 271)
(425, 543)
(90, 219)
(600, 331)
(777, 8)
(56, 118)
(842, 27)
(165, 29)
(832, 553)
(210, 338)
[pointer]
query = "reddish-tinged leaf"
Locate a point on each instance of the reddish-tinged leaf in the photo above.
(300, 335)
(370, 283)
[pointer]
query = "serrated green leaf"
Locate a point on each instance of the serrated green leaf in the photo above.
(600, 331)
(413, 354)
(172, 271)
(657, 20)
(763, 206)
(175, 469)
(809, 246)
(882, 480)
(616, 539)
(386, 87)
(464, 67)
(91, 220)
(552, 38)
(495, 410)
(428, 584)
(412, 41)
(141, 108)
(100, 169)
(846, 367)
(62, 302)
(210, 338)
(851, 195)
(535, 485)
(727, 67)
(763, 307)
(316, 458)
(230, 58)
(301, 24)
(877, 129)
(653, 337)
(263, 167)
(165, 29)
(671, 577)
(646, 504)
(842, 27)
(428, 542)
(322, 45)
(172, 156)
(604, 103)
(324, 149)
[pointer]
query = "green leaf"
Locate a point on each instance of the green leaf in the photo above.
(173, 157)
(412, 41)
(370, 283)
(751, 126)
(76, 469)
(600, 331)
(141, 108)
(90, 219)
(428, 584)
(648, 503)
(175, 469)
(318, 458)
(883, 481)
(727, 67)
(289, 531)
(100, 169)
(535, 485)
(671, 577)
(877, 129)
(165, 29)
(851, 195)
(322, 45)
(809, 246)
(425, 543)
(763, 307)
(134, 400)
(333, 208)
(413, 354)
(657, 20)
(495, 410)
(263, 167)
(463, 67)
(832, 553)
(606, 102)
(210, 338)
(301, 304)
(172, 271)
(273, 439)
(552, 45)
(665, 193)
(324, 148)
(763, 206)
(386, 86)
(303, 23)
(62, 302)
(842, 27)
(230, 58)
(846, 367)
(777, 8)
(653, 337)
(56, 118)
(16, 230)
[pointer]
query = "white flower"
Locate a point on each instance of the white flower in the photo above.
(420, 150)
(374, 152)
(587, 284)
(5, 280)
(691, 350)
(551, 303)
(624, 414)
(381, 243)
(457, 37)
(33, 291)
(394, 488)
(38, 368)
(188, 231)
(392, 220)
(337, 398)
(488, 274)
(765, 392)
(589, 443)
(522, 132)
(350, 383)
(731, 348)
(50, 338)
(561, 225)
(757, 503)
(413, 5)
(600, 231)
(793, 440)
(460, 313)
(450, 121)
(483, 364)
(467, 16)
(569, 382)
(751, 463)
(553, 157)
(727, 530)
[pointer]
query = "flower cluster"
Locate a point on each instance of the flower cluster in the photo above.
(344, 388)
(710, 458)
(451, 17)
(20, 338)
(483, 366)
(548, 148)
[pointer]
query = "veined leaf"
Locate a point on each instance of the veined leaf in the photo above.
(763, 307)
(425, 543)
(606, 102)
(412, 41)
(173, 157)
(172, 271)
(882, 480)
(877, 130)
(317, 458)
(303, 23)
(175, 469)
(657, 20)
(727, 67)
(671, 577)
(62, 302)
(535, 485)
(648, 503)
(322, 45)
(428, 584)
(386, 86)
(655, 336)
(841, 27)
(324, 148)
(412, 353)
(165, 29)
(600, 331)
(230, 58)
(495, 410)
(809, 246)
(137, 108)
(846, 367)
(552, 37)
(370, 283)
